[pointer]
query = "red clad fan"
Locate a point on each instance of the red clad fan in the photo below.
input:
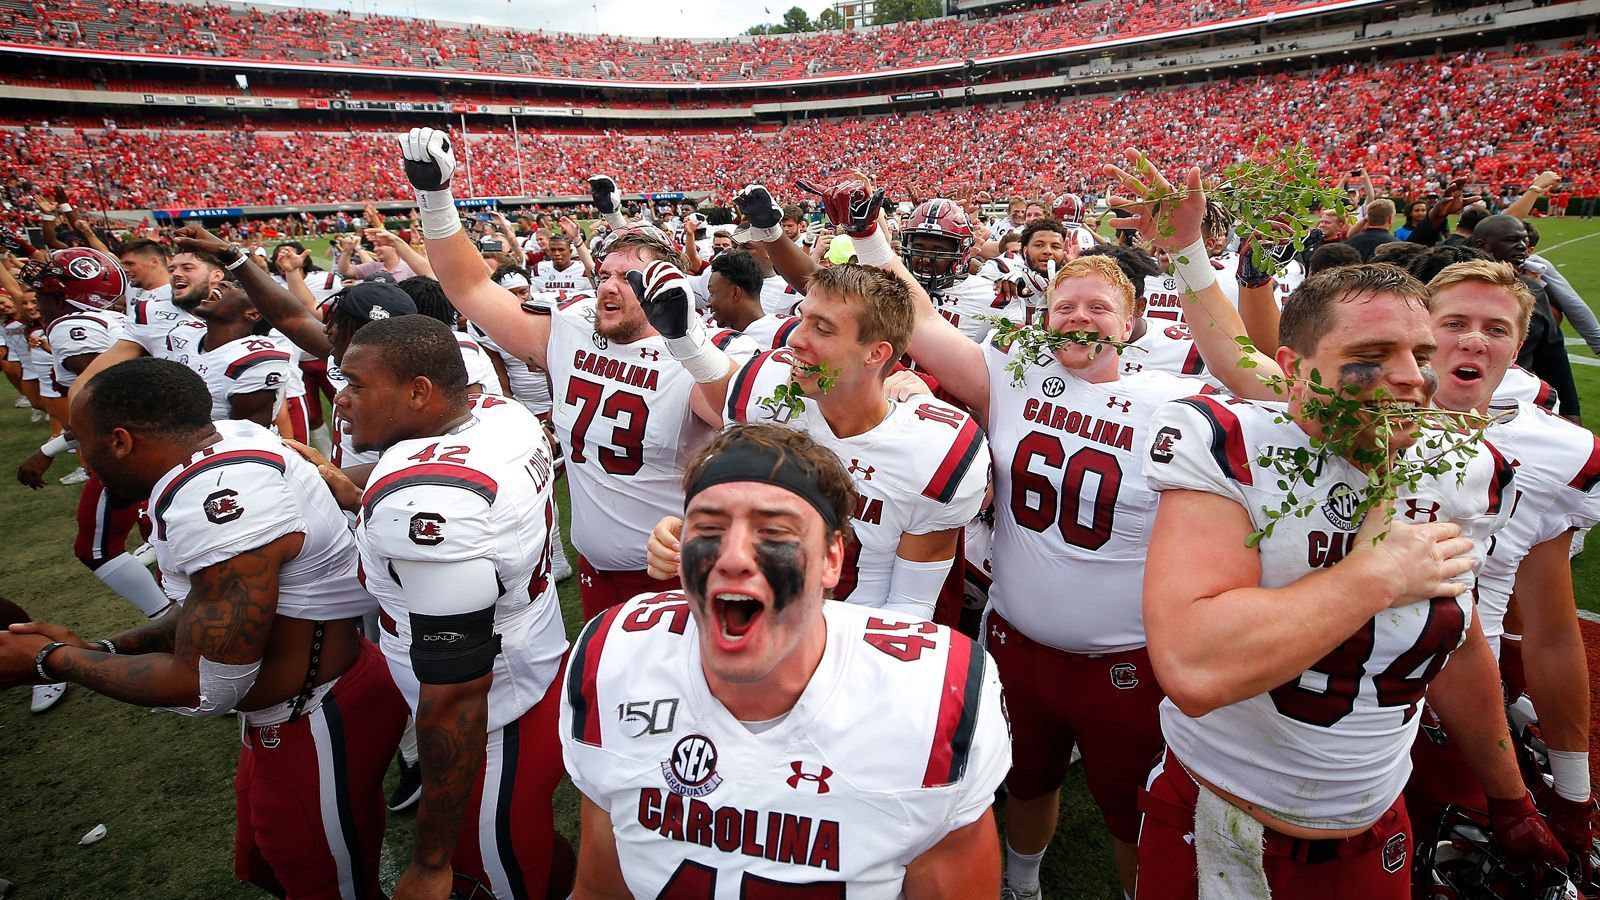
(74, 292)
(265, 571)
(1257, 716)
(621, 403)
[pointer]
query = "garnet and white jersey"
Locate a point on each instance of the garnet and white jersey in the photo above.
(345, 454)
(1520, 385)
(246, 491)
(482, 491)
(622, 413)
(1558, 489)
(294, 385)
(244, 366)
(1331, 748)
(79, 334)
(846, 789)
(1163, 298)
(530, 386)
(546, 277)
(924, 468)
(772, 331)
(971, 301)
(1166, 347)
(151, 317)
(778, 297)
(1071, 503)
(480, 371)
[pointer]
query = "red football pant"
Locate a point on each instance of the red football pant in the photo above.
(508, 834)
(1373, 865)
(299, 419)
(601, 589)
(1106, 704)
(102, 527)
(310, 793)
(314, 372)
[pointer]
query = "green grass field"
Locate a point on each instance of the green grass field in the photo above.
(161, 784)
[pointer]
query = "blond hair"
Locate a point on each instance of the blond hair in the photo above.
(1106, 269)
(1494, 274)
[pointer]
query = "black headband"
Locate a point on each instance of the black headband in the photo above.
(749, 461)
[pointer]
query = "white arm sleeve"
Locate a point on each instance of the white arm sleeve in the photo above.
(914, 586)
(446, 588)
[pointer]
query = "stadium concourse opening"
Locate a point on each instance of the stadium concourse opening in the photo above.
(911, 448)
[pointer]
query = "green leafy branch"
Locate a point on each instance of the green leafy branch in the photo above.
(1039, 342)
(789, 397)
(1364, 432)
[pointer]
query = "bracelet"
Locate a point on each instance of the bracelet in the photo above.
(239, 259)
(106, 645)
(38, 661)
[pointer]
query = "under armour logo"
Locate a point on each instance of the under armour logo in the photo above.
(856, 468)
(585, 580)
(647, 353)
(1131, 367)
(819, 780)
(1417, 512)
(998, 635)
(1114, 403)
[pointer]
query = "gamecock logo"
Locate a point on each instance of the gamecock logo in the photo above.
(223, 506)
(427, 529)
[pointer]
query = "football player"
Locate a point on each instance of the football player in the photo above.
(245, 370)
(264, 569)
(734, 301)
(1306, 651)
(919, 467)
(454, 530)
(621, 403)
(1071, 508)
(937, 247)
(751, 751)
(558, 271)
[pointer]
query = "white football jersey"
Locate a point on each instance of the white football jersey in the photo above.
(244, 366)
(622, 413)
(483, 491)
(778, 297)
(772, 331)
(530, 386)
(77, 334)
(1558, 489)
(1163, 298)
(546, 277)
(151, 316)
(1166, 347)
(924, 468)
(1330, 749)
(847, 789)
(969, 302)
(294, 384)
(480, 371)
(345, 454)
(1520, 385)
(321, 284)
(246, 491)
(1071, 503)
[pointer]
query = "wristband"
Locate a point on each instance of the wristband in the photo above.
(64, 207)
(704, 361)
(615, 220)
(38, 660)
(874, 249)
(437, 214)
(1570, 769)
(1192, 266)
(57, 445)
(106, 645)
(238, 259)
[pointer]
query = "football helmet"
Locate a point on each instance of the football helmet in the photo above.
(1463, 863)
(937, 270)
(1068, 209)
(84, 277)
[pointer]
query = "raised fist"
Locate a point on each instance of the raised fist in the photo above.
(16, 243)
(762, 215)
(603, 191)
(429, 160)
(851, 204)
(665, 294)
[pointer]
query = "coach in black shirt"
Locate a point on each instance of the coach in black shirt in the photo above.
(1380, 218)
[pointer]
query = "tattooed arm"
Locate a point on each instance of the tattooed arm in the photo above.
(452, 729)
(154, 636)
(226, 619)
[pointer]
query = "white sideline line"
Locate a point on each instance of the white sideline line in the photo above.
(1554, 247)
(1584, 360)
(1587, 616)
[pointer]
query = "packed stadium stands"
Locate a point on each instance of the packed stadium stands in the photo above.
(315, 36)
(1349, 115)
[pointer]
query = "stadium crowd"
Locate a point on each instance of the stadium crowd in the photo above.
(308, 35)
(1546, 96)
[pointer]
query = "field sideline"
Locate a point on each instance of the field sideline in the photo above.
(161, 784)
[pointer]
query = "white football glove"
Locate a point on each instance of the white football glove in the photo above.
(429, 165)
